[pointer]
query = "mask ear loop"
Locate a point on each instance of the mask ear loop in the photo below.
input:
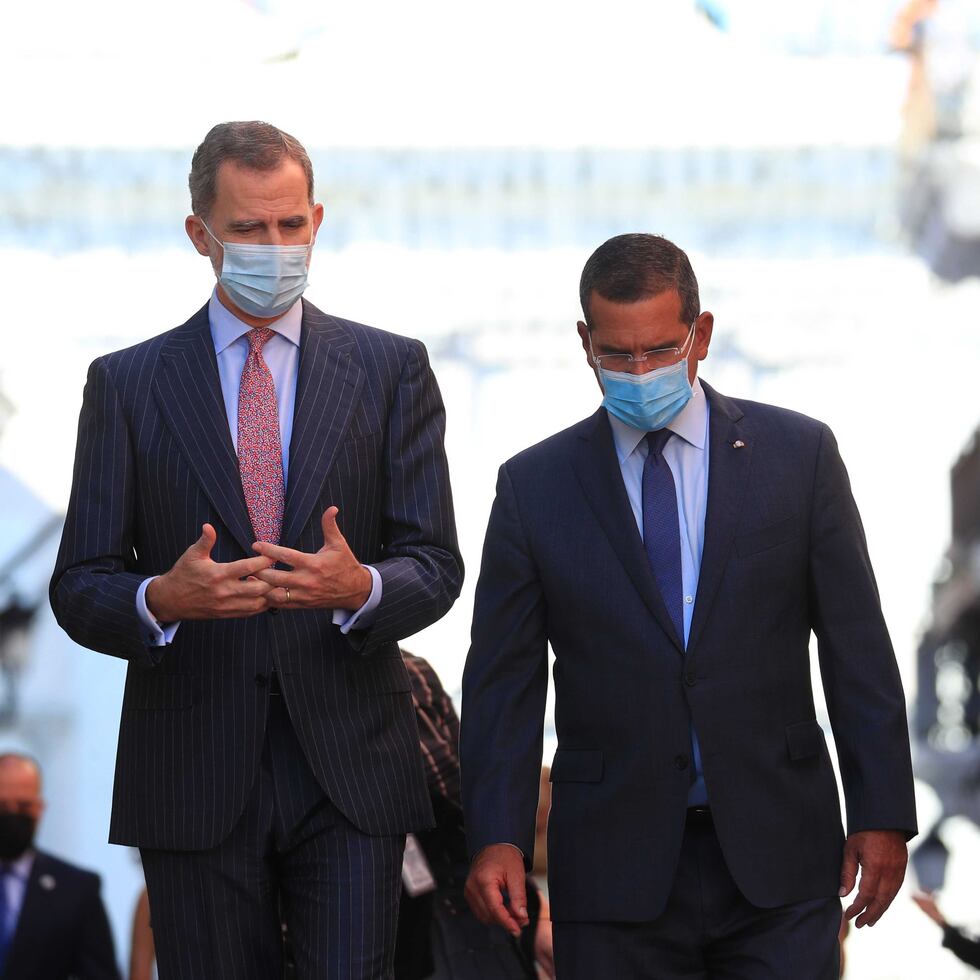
(211, 233)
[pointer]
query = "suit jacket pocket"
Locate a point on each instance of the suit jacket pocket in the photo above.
(148, 691)
(379, 675)
(577, 766)
(804, 740)
(765, 538)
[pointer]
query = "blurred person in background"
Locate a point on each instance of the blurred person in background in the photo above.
(676, 550)
(438, 937)
(954, 939)
(53, 924)
(260, 510)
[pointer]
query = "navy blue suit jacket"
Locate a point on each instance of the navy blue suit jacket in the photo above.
(62, 930)
(784, 554)
(154, 462)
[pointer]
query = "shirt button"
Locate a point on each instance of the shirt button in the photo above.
(689, 599)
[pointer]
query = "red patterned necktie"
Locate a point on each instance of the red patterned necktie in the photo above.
(259, 446)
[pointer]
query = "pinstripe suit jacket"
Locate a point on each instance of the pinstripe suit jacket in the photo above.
(154, 461)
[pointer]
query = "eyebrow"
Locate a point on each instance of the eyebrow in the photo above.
(293, 221)
(606, 349)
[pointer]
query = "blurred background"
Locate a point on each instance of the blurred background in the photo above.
(819, 160)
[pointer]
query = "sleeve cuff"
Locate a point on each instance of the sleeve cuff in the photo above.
(155, 634)
(362, 618)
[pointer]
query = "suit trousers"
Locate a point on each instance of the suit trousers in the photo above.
(708, 931)
(292, 862)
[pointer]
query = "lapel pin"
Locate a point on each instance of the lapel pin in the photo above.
(47, 882)
(738, 444)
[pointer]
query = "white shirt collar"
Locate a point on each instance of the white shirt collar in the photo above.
(691, 424)
(226, 328)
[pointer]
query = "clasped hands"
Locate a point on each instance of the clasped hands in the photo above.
(197, 587)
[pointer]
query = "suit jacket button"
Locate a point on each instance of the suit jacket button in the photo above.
(690, 678)
(274, 611)
(680, 762)
(261, 680)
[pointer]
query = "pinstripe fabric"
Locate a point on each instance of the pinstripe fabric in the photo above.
(217, 914)
(154, 461)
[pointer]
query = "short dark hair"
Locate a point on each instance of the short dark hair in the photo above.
(637, 266)
(252, 145)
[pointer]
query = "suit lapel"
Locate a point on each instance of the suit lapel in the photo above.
(728, 469)
(327, 391)
(188, 393)
(597, 469)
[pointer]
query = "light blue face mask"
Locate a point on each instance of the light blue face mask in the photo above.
(263, 280)
(646, 401)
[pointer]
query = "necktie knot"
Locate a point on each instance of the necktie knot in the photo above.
(258, 337)
(657, 440)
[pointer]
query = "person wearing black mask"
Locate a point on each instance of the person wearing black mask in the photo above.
(53, 924)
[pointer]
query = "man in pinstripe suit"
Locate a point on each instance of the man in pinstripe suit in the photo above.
(260, 511)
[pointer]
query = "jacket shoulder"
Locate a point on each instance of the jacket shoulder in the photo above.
(555, 447)
(64, 873)
(146, 352)
(365, 337)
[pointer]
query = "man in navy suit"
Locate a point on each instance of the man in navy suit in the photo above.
(260, 512)
(53, 924)
(676, 550)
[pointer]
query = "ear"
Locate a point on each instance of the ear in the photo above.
(317, 218)
(702, 335)
(198, 235)
(583, 332)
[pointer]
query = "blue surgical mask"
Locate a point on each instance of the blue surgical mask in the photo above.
(646, 401)
(263, 280)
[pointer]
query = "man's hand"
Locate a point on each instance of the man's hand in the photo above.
(331, 579)
(882, 856)
(497, 869)
(927, 903)
(199, 588)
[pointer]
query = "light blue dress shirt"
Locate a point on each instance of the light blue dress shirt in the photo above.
(687, 457)
(281, 354)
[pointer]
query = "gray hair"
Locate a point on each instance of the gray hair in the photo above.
(252, 145)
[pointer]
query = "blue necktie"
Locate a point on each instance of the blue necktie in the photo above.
(662, 540)
(5, 934)
(661, 529)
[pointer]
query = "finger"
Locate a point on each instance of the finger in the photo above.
(867, 892)
(277, 579)
(848, 870)
(517, 893)
(475, 901)
(243, 567)
(253, 588)
(331, 533)
(493, 898)
(277, 553)
(201, 548)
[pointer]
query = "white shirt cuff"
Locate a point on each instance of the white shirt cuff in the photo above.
(361, 619)
(155, 635)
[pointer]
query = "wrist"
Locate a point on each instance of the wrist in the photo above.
(158, 602)
(362, 585)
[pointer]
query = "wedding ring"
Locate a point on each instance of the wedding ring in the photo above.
(286, 587)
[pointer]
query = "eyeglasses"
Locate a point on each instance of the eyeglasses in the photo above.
(661, 357)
